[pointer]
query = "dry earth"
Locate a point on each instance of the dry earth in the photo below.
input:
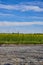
(21, 54)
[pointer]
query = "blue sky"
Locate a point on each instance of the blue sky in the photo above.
(23, 16)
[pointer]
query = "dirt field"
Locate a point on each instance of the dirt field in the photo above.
(21, 54)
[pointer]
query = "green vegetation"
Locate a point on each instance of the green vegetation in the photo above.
(17, 38)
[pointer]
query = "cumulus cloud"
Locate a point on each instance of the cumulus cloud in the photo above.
(20, 23)
(21, 7)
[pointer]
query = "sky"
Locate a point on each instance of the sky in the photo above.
(23, 16)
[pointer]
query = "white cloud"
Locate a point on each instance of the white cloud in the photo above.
(22, 17)
(5, 14)
(38, 3)
(19, 23)
(21, 7)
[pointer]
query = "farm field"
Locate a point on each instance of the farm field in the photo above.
(21, 55)
(16, 38)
